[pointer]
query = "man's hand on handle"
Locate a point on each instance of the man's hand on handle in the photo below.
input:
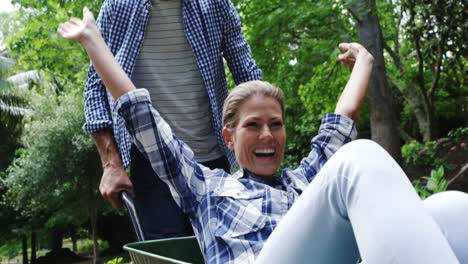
(114, 179)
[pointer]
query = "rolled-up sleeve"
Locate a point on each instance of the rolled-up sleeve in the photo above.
(170, 157)
(96, 104)
(334, 132)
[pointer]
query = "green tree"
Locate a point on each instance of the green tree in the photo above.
(61, 162)
(419, 55)
(383, 114)
(55, 151)
(295, 43)
(13, 107)
(426, 46)
(37, 46)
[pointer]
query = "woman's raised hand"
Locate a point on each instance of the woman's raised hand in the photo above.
(352, 52)
(357, 58)
(76, 29)
(87, 34)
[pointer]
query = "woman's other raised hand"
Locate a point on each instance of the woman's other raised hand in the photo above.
(76, 29)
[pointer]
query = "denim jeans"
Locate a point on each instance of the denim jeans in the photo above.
(159, 215)
(361, 204)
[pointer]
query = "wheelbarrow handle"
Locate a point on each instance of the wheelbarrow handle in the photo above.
(129, 204)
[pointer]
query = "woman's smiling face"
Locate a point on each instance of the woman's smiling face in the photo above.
(259, 138)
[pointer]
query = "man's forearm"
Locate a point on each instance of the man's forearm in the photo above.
(114, 178)
(107, 148)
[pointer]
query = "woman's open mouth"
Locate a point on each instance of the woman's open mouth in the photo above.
(264, 152)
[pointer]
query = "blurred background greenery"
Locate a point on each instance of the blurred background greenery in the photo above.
(50, 171)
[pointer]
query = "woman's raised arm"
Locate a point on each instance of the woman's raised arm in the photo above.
(357, 58)
(86, 32)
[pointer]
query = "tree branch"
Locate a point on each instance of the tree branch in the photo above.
(441, 50)
(438, 70)
(461, 172)
(359, 9)
(416, 37)
(405, 136)
(394, 55)
(354, 14)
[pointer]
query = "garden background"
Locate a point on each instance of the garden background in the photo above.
(49, 169)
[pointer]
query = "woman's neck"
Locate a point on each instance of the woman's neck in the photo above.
(258, 178)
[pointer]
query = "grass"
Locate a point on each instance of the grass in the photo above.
(11, 252)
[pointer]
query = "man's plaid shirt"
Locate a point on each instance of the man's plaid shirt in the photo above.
(213, 30)
(232, 215)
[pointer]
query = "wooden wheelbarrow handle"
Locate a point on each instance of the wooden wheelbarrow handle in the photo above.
(128, 202)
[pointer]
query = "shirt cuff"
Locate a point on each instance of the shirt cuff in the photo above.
(340, 123)
(93, 126)
(131, 98)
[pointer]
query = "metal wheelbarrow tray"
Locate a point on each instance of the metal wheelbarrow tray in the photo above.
(161, 251)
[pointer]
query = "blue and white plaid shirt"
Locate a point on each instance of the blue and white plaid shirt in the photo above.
(213, 30)
(232, 215)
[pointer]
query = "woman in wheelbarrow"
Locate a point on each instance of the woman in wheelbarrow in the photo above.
(348, 199)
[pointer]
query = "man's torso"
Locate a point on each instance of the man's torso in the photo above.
(166, 66)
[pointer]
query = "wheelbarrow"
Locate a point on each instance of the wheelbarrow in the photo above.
(180, 250)
(161, 251)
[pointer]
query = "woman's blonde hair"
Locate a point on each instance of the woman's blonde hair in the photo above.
(242, 93)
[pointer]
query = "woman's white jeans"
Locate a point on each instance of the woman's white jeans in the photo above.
(362, 204)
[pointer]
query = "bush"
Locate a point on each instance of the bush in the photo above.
(426, 186)
(458, 134)
(86, 245)
(425, 154)
(117, 260)
(442, 155)
(10, 249)
(431, 153)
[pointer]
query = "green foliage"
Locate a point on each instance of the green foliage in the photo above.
(458, 134)
(433, 154)
(426, 186)
(10, 249)
(422, 154)
(428, 153)
(12, 109)
(295, 45)
(87, 245)
(115, 260)
(424, 43)
(321, 93)
(59, 160)
(36, 45)
(13, 106)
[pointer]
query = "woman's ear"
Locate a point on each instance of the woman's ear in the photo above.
(227, 138)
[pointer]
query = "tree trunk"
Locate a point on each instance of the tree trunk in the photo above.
(24, 242)
(33, 247)
(420, 110)
(92, 212)
(74, 240)
(383, 119)
(93, 219)
(434, 129)
(55, 239)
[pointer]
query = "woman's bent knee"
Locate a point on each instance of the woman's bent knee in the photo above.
(450, 211)
(451, 204)
(367, 158)
(363, 150)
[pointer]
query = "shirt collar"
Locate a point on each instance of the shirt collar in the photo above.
(244, 173)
